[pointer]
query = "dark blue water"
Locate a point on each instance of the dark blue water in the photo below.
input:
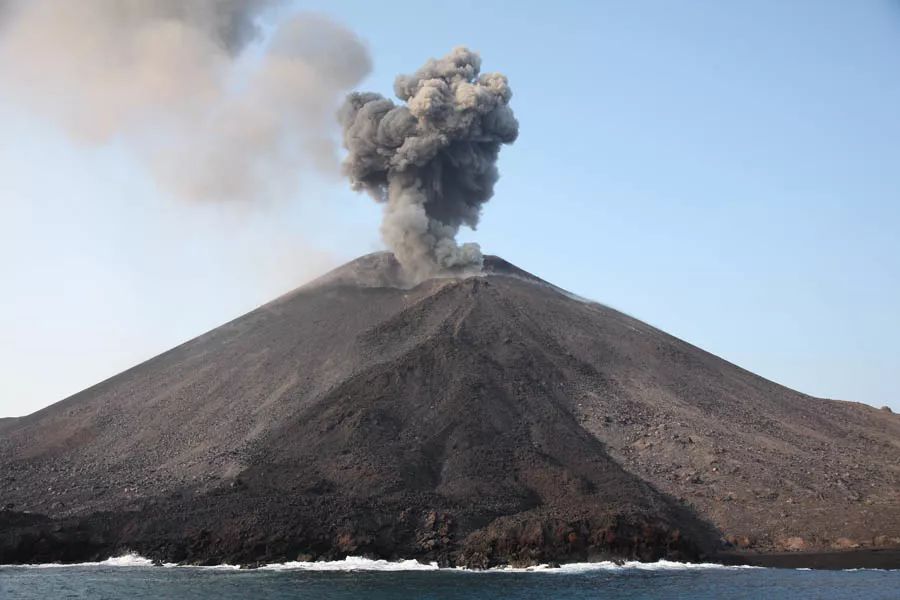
(138, 583)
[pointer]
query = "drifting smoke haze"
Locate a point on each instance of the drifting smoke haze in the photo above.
(174, 81)
(432, 160)
(168, 78)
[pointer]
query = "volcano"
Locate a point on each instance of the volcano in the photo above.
(486, 420)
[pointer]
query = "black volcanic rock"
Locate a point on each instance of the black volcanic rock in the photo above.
(483, 420)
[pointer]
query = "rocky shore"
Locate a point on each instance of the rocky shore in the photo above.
(475, 422)
(26, 538)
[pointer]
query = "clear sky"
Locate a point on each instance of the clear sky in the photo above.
(726, 171)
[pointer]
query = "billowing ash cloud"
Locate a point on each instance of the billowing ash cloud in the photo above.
(170, 79)
(432, 160)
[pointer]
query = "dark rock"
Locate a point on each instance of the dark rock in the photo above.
(478, 422)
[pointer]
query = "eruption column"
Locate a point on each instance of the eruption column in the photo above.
(433, 159)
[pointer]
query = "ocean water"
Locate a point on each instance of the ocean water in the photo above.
(131, 577)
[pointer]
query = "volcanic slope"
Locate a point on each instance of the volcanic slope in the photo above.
(482, 420)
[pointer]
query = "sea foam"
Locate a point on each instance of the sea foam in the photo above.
(352, 563)
(357, 563)
(126, 560)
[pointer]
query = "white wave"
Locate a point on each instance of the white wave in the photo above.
(667, 565)
(633, 565)
(358, 563)
(352, 563)
(129, 559)
(222, 567)
(355, 563)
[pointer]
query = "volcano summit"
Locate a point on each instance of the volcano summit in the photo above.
(477, 421)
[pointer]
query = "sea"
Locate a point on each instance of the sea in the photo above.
(135, 578)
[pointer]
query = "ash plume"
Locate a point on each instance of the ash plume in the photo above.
(176, 82)
(431, 160)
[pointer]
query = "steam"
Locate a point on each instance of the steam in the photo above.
(432, 160)
(174, 80)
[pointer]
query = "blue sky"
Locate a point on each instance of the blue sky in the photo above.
(727, 172)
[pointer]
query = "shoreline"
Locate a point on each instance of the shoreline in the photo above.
(831, 560)
(844, 560)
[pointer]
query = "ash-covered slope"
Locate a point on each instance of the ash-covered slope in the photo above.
(478, 420)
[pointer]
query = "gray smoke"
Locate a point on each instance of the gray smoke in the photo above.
(173, 81)
(432, 160)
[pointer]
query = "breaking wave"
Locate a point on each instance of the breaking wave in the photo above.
(352, 563)
(126, 560)
(356, 563)
(631, 565)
